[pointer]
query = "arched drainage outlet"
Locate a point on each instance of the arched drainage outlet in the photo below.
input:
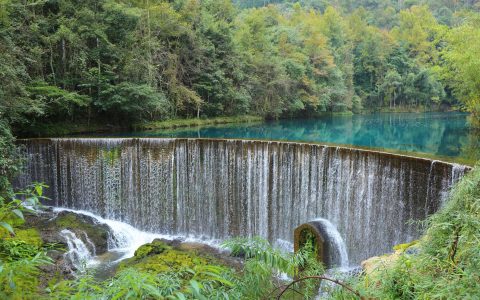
(326, 240)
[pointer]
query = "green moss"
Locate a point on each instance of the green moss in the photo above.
(169, 260)
(403, 247)
(72, 221)
(30, 236)
(155, 247)
(111, 155)
(157, 257)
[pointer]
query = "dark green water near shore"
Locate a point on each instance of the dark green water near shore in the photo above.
(437, 135)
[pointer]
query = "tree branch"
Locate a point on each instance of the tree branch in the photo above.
(343, 285)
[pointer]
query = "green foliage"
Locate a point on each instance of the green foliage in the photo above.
(53, 101)
(264, 263)
(446, 265)
(22, 255)
(186, 275)
(462, 62)
(131, 101)
(203, 282)
(10, 159)
(11, 208)
(19, 277)
(126, 62)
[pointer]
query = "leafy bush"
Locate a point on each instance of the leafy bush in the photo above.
(134, 102)
(19, 260)
(9, 159)
(265, 264)
(207, 282)
(50, 100)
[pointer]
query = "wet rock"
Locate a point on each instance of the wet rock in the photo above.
(172, 243)
(60, 268)
(49, 224)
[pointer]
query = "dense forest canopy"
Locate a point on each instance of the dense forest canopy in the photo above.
(125, 61)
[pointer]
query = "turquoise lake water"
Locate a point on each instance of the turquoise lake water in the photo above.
(443, 135)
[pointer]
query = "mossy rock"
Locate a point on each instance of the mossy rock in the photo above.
(81, 225)
(155, 247)
(169, 260)
(49, 225)
(158, 257)
(373, 265)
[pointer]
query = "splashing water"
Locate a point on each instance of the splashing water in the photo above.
(79, 255)
(336, 243)
(124, 239)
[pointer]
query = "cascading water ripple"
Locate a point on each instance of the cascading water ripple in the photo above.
(216, 189)
(333, 237)
(79, 255)
(124, 239)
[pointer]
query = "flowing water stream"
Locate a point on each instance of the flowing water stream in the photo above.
(216, 189)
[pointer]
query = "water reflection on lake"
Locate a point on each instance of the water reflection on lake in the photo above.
(437, 134)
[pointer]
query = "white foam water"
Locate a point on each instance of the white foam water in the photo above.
(125, 240)
(78, 254)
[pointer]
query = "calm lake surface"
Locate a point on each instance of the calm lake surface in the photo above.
(442, 135)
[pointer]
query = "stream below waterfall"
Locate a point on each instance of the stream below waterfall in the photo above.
(122, 244)
(125, 240)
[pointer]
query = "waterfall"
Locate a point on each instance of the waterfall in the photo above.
(123, 238)
(79, 254)
(216, 189)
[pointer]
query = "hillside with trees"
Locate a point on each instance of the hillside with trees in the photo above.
(131, 61)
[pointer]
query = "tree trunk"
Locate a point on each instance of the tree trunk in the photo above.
(99, 70)
(64, 56)
(51, 65)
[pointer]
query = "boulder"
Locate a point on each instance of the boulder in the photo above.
(49, 224)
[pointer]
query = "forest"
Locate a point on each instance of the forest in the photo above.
(124, 62)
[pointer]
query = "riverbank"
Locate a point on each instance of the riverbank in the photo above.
(105, 126)
(73, 128)
(178, 123)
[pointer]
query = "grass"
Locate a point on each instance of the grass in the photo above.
(176, 123)
(414, 109)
